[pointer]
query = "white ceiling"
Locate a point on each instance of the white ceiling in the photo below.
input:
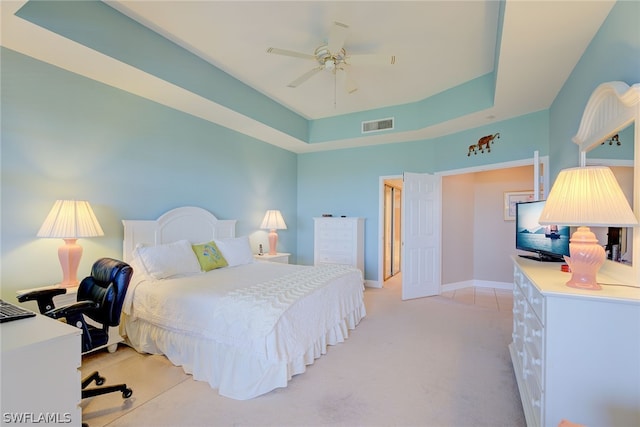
(438, 45)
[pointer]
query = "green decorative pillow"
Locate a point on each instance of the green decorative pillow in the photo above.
(209, 256)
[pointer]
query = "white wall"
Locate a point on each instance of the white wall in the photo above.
(477, 243)
(494, 241)
(458, 228)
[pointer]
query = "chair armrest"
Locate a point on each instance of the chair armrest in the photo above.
(77, 308)
(44, 297)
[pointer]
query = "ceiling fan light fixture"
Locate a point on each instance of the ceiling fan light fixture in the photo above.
(329, 64)
(322, 53)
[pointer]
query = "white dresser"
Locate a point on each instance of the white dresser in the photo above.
(575, 353)
(339, 241)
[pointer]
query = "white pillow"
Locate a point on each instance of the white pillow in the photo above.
(236, 250)
(168, 260)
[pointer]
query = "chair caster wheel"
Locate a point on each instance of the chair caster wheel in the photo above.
(100, 380)
(127, 393)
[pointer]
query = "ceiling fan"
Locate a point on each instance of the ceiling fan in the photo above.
(333, 57)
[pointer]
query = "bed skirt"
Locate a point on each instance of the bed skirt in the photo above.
(235, 372)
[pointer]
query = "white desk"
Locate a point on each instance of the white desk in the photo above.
(40, 377)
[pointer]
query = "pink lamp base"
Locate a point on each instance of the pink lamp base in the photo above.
(69, 255)
(273, 242)
(578, 284)
(587, 256)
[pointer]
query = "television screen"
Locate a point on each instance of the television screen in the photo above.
(549, 242)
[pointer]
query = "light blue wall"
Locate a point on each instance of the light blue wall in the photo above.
(467, 98)
(97, 25)
(346, 182)
(613, 55)
(66, 136)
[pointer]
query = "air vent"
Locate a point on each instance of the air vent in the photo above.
(377, 125)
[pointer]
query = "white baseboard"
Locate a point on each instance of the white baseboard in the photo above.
(457, 285)
(476, 284)
(373, 284)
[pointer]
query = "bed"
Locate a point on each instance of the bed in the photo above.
(245, 326)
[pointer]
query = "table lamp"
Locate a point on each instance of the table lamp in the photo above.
(70, 220)
(583, 197)
(273, 221)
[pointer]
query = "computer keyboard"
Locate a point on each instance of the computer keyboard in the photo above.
(9, 312)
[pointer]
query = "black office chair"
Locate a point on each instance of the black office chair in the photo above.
(100, 298)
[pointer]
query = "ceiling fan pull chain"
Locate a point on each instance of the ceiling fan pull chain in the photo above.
(335, 84)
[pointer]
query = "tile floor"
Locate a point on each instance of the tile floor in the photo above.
(492, 298)
(497, 299)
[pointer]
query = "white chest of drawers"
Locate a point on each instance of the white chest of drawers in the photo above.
(575, 353)
(339, 241)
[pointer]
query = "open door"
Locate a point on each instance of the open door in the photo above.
(421, 235)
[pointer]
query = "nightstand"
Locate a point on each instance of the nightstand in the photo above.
(279, 257)
(69, 298)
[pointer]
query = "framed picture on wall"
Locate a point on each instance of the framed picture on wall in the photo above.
(510, 200)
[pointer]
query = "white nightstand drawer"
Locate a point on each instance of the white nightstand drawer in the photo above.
(280, 257)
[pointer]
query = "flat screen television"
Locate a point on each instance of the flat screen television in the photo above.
(548, 242)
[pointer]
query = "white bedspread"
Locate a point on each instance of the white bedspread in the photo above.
(245, 329)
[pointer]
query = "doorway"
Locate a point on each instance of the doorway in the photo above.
(451, 253)
(392, 228)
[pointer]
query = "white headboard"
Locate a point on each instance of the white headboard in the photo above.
(192, 223)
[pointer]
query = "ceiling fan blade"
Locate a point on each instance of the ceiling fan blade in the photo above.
(371, 59)
(349, 84)
(337, 37)
(285, 52)
(303, 78)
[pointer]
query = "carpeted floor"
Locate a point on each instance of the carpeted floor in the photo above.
(439, 361)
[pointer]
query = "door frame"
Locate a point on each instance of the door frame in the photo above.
(543, 160)
(381, 180)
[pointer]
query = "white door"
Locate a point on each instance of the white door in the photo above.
(421, 235)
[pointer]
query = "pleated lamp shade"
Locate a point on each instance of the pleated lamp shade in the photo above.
(273, 221)
(587, 196)
(71, 219)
